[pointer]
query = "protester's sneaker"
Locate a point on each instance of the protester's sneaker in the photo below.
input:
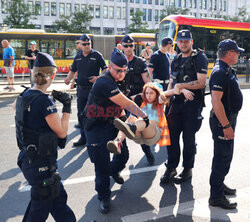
(127, 128)
(7, 87)
(11, 89)
(114, 146)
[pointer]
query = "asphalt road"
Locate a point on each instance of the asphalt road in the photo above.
(141, 197)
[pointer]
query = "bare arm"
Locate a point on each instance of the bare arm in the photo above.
(58, 126)
(146, 77)
(121, 100)
(220, 113)
(69, 77)
(150, 70)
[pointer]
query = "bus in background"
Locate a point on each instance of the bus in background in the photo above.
(61, 46)
(207, 33)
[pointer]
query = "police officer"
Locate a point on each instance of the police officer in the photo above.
(188, 74)
(159, 64)
(39, 131)
(88, 65)
(104, 104)
(135, 79)
(226, 101)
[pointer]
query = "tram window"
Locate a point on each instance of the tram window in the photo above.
(56, 49)
(70, 49)
(19, 47)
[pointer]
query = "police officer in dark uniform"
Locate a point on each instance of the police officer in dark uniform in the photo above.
(104, 104)
(135, 79)
(159, 64)
(88, 65)
(188, 74)
(39, 131)
(226, 101)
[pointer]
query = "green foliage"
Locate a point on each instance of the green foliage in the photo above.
(76, 23)
(137, 24)
(19, 15)
(172, 10)
(241, 17)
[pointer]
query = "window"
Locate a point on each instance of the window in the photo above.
(77, 7)
(137, 1)
(118, 12)
(215, 4)
(131, 1)
(111, 12)
(108, 31)
(4, 6)
(220, 5)
(91, 10)
(161, 2)
(70, 49)
(53, 8)
(201, 3)
(195, 4)
(68, 9)
(123, 13)
(179, 3)
(131, 12)
(46, 8)
(97, 11)
(157, 2)
(83, 7)
(61, 9)
(185, 3)
(205, 4)
(211, 4)
(225, 6)
(156, 15)
(150, 2)
(95, 30)
(38, 8)
(31, 7)
(144, 17)
(149, 14)
(19, 46)
(53, 47)
(105, 12)
(191, 5)
(144, 1)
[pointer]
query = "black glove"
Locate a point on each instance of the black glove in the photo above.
(62, 142)
(64, 98)
(146, 120)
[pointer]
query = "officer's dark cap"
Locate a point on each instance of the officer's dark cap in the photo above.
(44, 60)
(85, 38)
(77, 38)
(229, 44)
(127, 39)
(184, 35)
(118, 58)
(166, 41)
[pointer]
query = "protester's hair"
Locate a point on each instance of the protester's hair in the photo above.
(221, 54)
(40, 75)
(156, 89)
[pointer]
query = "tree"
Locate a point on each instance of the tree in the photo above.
(172, 10)
(241, 17)
(137, 24)
(19, 15)
(77, 23)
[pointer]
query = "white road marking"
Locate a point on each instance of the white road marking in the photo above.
(24, 188)
(199, 209)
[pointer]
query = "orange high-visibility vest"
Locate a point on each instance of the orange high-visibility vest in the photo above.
(165, 135)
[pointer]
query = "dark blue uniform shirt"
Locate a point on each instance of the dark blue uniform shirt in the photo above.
(160, 63)
(226, 82)
(131, 64)
(87, 66)
(41, 107)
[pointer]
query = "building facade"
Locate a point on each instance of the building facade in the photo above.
(113, 16)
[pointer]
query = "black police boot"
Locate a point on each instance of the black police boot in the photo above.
(80, 142)
(78, 126)
(228, 191)
(168, 175)
(223, 203)
(127, 128)
(118, 179)
(185, 175)
(150, 158)
(105, 206)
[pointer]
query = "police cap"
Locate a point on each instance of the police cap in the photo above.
(166, 41)
(118, 58)
(127, 39)
(44, 60)
(229, 44)
(77, 38)
(85, 38)
(184, 35)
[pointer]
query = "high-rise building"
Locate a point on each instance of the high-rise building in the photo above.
(113, 16)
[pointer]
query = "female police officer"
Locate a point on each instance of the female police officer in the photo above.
(39, 131)
(105, 102)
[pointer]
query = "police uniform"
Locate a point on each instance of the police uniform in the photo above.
(185, 116)
(86, 67)
(38, 156)
(223, 79)
(99, 129)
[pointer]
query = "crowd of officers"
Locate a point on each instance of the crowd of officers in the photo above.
(118, 86)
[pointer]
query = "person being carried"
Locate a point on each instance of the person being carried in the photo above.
(134, 128)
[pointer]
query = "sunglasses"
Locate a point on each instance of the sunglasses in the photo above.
(119, 71)
(126, 46)
(84, 44)
(77, 43)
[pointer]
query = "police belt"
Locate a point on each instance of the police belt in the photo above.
(161, 81)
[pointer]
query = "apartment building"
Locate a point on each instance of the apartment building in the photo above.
(113, 16)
